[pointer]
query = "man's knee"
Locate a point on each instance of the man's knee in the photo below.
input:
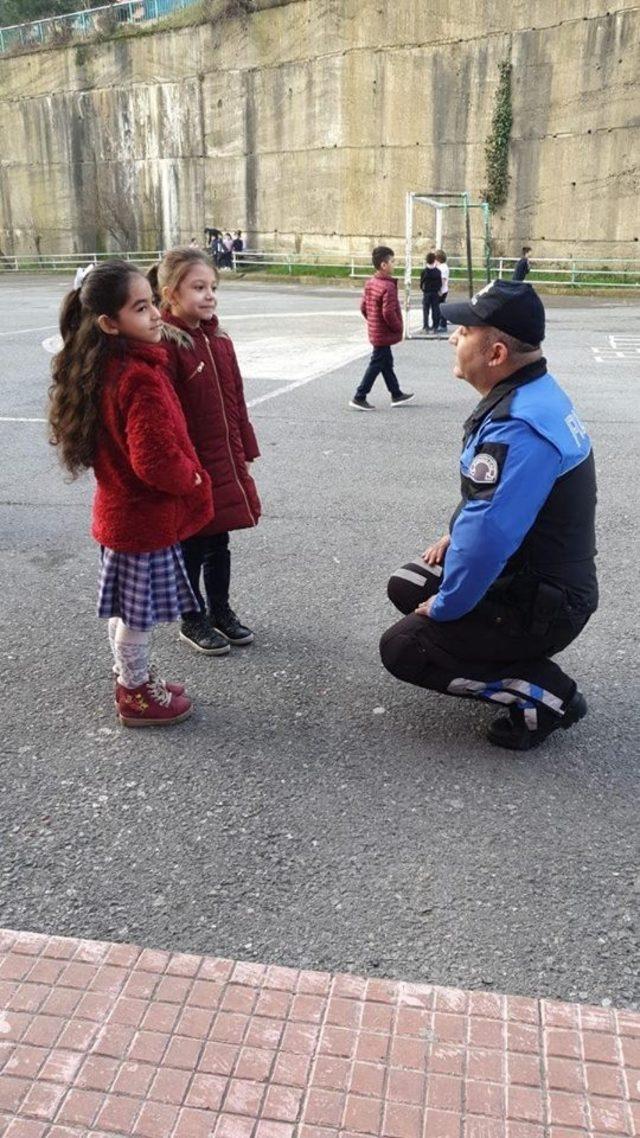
(402, 594)
(399, 654)
(412, 584)
(408, 653)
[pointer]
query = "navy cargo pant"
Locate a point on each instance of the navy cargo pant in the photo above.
(500, 651)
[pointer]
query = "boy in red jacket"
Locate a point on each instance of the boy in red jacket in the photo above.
(381, 310)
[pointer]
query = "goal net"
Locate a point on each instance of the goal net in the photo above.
(449, 221)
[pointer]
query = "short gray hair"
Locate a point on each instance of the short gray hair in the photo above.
(515, 347)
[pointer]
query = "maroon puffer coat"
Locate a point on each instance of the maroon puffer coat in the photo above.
(381, 309)
(207, 379)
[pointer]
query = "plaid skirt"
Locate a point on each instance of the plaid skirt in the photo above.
(144, 589)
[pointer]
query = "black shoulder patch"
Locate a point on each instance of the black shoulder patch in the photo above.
(485, 470)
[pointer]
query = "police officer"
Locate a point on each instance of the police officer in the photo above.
(513, 582)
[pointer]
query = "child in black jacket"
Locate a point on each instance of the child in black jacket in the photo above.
(430, 283)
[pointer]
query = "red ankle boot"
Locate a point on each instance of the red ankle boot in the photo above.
(151, 705)
(170, 685)
(174, 687)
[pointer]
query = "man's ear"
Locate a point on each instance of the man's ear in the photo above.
(499, 353)
(107, 325)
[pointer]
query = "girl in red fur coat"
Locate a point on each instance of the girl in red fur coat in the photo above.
(113, 408)
(207, 379)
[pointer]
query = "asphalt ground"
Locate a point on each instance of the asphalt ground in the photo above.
(315, 812)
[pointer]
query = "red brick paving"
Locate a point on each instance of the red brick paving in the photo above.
(114, 1041)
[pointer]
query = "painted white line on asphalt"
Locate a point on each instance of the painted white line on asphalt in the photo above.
(283, 390)
(23, 331)
(19, 419)
(284, 315)
(308, 379)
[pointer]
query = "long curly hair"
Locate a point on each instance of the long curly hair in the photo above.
(74, 394)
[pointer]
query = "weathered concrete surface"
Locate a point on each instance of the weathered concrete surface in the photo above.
(305, 122)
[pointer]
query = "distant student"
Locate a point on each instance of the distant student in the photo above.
(441, 261)
(226, 261)
(523, 266)
(381, 309)
(207, 378)
(430, 283)
(113, 409)
(238, 243)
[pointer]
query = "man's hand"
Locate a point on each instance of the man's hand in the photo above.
(434, 555)
(425, 608)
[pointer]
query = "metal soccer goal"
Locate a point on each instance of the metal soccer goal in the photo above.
(441, 203)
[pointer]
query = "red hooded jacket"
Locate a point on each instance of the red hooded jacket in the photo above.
(381, 309)
(207, 380)
(145, 464)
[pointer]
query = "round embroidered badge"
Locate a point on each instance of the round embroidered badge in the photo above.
(484, 469)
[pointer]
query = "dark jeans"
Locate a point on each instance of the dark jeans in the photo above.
(442, 327)
(209, 558)
(430, 304)
(381, 361)
(500, 651)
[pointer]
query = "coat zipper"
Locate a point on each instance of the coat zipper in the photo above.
(226, 426)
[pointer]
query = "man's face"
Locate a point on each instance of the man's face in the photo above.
(387, 267)
(473, 351)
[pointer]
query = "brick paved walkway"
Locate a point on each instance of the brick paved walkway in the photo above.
(111, 1041)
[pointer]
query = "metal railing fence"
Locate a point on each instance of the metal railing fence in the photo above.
(86, 22)
(69, 262)
(568, 273)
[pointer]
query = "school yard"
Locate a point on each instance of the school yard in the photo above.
(315, 813)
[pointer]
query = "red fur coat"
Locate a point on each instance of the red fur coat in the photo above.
(145, 465)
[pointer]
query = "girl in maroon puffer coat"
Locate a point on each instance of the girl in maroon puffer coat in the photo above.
(113, 409)
(207, 379)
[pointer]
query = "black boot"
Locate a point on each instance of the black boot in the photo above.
(198, 631)
(226, 622)
(512, 732)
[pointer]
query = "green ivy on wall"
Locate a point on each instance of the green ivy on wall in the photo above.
(497, 146)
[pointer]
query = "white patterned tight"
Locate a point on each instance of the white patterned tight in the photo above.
(130, 653)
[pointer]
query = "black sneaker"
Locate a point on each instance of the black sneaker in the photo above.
(361, 404)
(199, 632)
(512, 731)
(226, 622)
(403, 397)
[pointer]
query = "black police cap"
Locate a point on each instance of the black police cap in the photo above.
(511, 306)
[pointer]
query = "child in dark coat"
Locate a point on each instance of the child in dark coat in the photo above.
(431, 284)
(207, 379)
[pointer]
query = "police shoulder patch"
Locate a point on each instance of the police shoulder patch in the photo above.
(484, 469)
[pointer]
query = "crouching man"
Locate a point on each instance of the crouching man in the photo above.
(513, 582)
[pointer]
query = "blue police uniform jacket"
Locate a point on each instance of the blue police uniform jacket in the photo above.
(527, 514)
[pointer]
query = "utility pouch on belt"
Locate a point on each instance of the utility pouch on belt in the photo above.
(549, 602)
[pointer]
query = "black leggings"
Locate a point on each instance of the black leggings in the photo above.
(208, 558)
